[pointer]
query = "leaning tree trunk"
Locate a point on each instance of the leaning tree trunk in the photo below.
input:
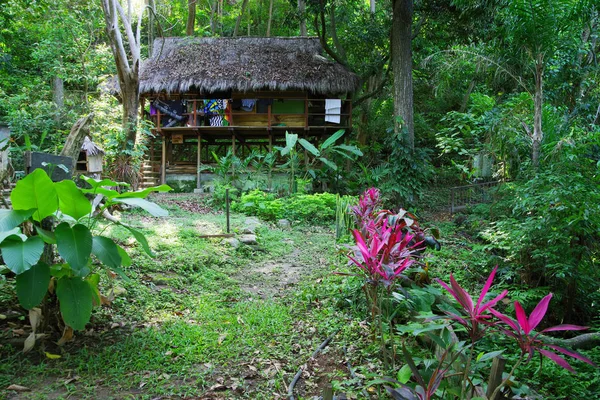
(402, 67)
(538, 135)
(74, 141)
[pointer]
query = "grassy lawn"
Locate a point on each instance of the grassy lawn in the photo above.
(201, 319)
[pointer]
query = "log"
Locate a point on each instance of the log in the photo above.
(79, 131)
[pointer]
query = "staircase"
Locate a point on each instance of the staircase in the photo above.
(150, 173)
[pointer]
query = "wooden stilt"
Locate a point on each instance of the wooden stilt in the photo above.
(199, 163)
(163, 161)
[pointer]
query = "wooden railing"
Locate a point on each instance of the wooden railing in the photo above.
(462, 197)
(270, 119)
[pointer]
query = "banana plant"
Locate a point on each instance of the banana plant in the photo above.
(48, 217)
(322, 155)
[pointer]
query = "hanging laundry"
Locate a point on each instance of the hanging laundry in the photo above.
(216, 120)
(333, 109)
(248, 104)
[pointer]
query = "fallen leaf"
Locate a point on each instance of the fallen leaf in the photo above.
(67, 336)
(221, 338)
(52, 356)
(29, 342)
(240, 320)
(2, 316)
(217, 387)
(35, 316)
(105, 300)
(18, 332)
(168, 353)
(18, 388)
(71, 380)
(142, 384)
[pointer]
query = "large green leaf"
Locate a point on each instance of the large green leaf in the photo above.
(330, 164)
(75, 297)
(107, 251)
(125, 259)
(139, 236)
(144, 193)
(71, 200)
(74, 244)
(309, 147)
(290, 140)
(10, 219)
(12, 232)
(20, 255)
(153, 208)
(47, 236)
(35, 191)
(108, 193)
(332, 139)
(350, 149)
(32, 285)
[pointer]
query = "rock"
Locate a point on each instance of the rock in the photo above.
(119, 291)
(233, 242)
(250, 225)
(248, 239)
(162, 279)
(284, 224)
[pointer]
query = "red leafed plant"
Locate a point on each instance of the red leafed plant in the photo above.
(529, 341)
(476, 314)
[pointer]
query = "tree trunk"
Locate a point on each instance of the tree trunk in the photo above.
(402, 67)
(239, 19)
(372, 6)
(270, 18)
(538, 135)
(338, 46)
(79, 131)
(213, 17)
(151, 13)
(302, 15)
(131, 106)
(191, 19)
(58, 96)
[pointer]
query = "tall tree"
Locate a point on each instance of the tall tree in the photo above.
(302, 16)
(401, 54)
(191, 18)
(127, 63)
(239, 19)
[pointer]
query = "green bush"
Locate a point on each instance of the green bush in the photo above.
(315, 208)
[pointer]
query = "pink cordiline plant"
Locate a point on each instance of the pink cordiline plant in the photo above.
(479, 316)
(384, 246)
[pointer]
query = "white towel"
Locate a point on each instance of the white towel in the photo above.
(333, 109)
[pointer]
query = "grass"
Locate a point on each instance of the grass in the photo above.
(185, 323)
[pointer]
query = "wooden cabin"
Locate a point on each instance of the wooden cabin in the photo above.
(215, 94)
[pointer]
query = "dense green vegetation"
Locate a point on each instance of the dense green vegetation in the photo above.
(499, 91)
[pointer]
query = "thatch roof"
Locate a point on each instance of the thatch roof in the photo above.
(91, 148)
(208, 65)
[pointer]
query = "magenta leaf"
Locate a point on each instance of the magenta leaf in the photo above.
(522, 318)
(507, 320)
(486, 287)
(493, 302)
(557, 359)
(573, 354)
(462, 296)
(538, 312)
(566, 327)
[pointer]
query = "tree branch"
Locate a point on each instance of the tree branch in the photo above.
(322, 33)
(375, 91)
(134, 48)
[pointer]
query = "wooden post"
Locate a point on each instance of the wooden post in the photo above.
(195, 117)
(498, 364)
(306, 113)
(233, 144)
(328, 392)
(199, 163)
(227, 207)
(158, 126)
(163, 161)
(269, 116)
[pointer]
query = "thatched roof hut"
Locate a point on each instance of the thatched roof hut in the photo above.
(90, 148)
(242, 64)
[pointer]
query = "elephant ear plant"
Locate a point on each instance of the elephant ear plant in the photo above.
(48, 216)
